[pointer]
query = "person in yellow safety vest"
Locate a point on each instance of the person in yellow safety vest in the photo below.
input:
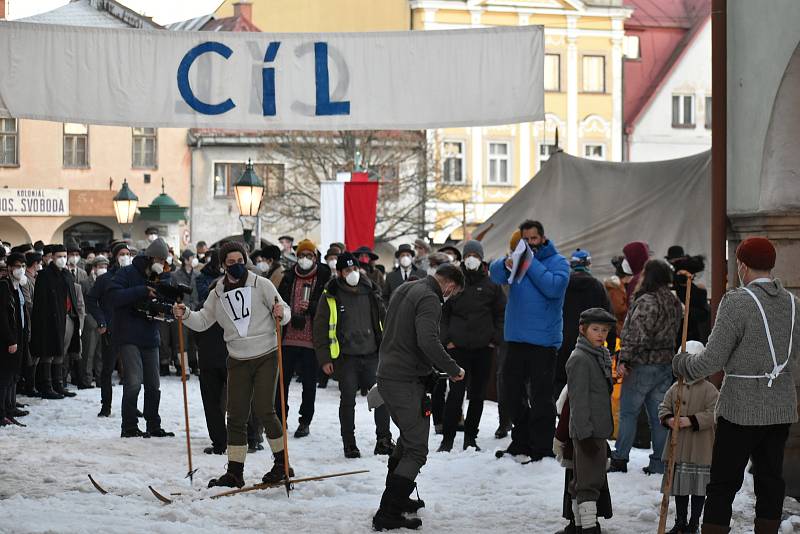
(348, 327)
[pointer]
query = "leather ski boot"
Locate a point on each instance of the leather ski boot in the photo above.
(233, 477)
(278, 471)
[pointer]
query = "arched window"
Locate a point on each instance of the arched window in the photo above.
(88, 232)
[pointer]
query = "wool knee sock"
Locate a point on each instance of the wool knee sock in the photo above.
(588, 513)
(576, 513)
(681, 508)
(698, 501)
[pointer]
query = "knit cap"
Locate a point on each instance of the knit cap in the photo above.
(306, 245)
(157, 249)
(580, 258)
(231, 246)
(757, 253)
(345, 260)
(473, 247)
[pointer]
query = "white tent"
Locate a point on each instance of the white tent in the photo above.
(600, 206)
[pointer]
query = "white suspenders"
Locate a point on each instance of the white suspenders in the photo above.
(777, 369)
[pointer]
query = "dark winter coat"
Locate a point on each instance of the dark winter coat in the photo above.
(395, 279)
(652, 329)
(180, 277)
(127, 288)
(10, 332)
(286, 289)
(53, 287)
(474, 318)
(212, 351)
(322, 317)
(584, 291)
(97, 302)
(411, 346)
(699, 310)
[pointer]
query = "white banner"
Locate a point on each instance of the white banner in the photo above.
(331, 213)
(332, 81)
(34, 202)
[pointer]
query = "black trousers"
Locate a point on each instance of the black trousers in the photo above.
(303, 361)
(110, 356)
(477, 364)
(530, 369)
(213, 391)
(734, 445)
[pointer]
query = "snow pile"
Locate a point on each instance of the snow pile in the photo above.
(45, 488)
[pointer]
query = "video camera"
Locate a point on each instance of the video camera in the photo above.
(159, 308)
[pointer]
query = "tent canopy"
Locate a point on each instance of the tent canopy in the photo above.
(601, 206)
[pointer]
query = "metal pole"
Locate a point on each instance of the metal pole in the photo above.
(719, 140)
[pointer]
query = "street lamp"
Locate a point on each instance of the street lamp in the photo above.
(125, 203)
(249, 191)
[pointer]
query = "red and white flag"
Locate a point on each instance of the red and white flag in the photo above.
(348, 209)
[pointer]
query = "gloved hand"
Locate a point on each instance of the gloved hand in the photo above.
(558, 449)
(589, 446)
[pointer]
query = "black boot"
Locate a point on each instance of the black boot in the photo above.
(278, 471)
(447, 445)
(571, 528)
(105, 411)
(469, 441)
(618, 466)
(390, 514)
(410, 506)
(351, 450)
(384, 447)
(233, 477)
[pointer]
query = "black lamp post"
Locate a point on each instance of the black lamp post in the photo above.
(125, 203)
(249, 190)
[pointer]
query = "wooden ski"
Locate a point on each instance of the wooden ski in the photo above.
(97, 486)
(257, 487)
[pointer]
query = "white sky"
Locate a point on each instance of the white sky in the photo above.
(162, 11)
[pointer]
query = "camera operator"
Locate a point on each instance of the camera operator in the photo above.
(137, 338)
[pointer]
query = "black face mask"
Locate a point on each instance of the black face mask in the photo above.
(237, 271)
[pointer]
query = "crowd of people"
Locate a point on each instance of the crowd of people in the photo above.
(558, 338)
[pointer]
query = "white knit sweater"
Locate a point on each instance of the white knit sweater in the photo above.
(261, 336)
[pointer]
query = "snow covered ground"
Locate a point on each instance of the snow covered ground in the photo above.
(44, 487)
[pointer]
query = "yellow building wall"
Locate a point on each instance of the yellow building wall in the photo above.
(326, 15)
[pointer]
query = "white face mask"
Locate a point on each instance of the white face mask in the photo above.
(39, 267)
(472, 263)
(194, 263)
(61, 262)
(18, 273)
(73, 260)
(152, 237)
(431, 271)
(157, 268)
(332, 265)
(101, 271)
(451, 257)
(124, 261)
(305, 263)
(353, 278)
(201, 255)
(262, 266)
(169, 260)
(405, 260)
(626, 268)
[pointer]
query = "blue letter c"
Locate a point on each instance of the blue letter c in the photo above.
(183, 79)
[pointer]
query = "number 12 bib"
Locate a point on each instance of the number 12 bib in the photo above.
(236, 304)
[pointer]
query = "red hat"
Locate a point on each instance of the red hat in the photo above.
(757, 253)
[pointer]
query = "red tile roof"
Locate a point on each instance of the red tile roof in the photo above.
(665, 29)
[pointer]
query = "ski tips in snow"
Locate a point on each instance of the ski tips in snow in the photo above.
(97, 486)
(159, 496)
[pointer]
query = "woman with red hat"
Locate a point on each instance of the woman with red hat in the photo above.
(752, 341)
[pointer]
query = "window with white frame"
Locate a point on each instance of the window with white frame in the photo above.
(453, 171)
(552, 72)
(9, 142)
(545, 151)
(630, 43)
(226, 174)
(594, 74)
(499, 163)
(683, 111)
(145, 143)
(594, 151)
(76, 145)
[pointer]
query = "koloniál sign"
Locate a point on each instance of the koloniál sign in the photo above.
(34, 202)
(334, 81)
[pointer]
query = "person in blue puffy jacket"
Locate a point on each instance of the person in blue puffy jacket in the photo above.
(533, 334)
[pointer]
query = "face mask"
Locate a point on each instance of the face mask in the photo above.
(124, 261)
(472, 263)
(152, 237)
(157, 268)
(626, 268)
(39, 267)
(101, 271)
(451, 257)
(431, 271)
(405, 261)
(169, 260)
(194, 263)
(201, 255)
(740, 275)
(305, 263)
(332, 265)
(237, 271)
(23, 281)
(61, 262)
(353, 278)
(262, 266)
(18, 273)
(73, 260)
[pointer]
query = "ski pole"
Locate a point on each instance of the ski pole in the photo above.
(283, 403)
(190, 474)
(673, 442)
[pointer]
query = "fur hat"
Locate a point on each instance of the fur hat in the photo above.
(757, 253)
(473, 247)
